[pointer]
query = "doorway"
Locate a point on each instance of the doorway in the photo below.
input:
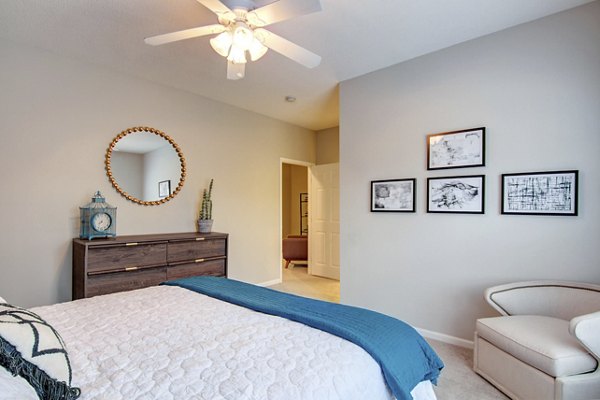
(295, 205)
(294, 201)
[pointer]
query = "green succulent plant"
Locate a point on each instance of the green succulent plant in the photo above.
(206, 207)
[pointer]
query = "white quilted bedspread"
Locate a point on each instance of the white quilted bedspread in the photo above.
(170, 343)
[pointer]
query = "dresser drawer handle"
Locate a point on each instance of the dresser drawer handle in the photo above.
(199, 239)
(131, 244)
(131, 268)
(199, 260)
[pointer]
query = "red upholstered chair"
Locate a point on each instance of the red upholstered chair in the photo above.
(295, 248)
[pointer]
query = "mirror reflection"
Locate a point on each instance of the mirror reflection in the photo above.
(145, 165)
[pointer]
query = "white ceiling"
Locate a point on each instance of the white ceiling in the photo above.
(353, 37)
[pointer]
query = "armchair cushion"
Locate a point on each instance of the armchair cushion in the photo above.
(295, 248)
(542, 342)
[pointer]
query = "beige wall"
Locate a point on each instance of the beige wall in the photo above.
(160, 165)
(328, 146)
(128, 171)
(286, 199)
(58, 117)
(536, 88)
(295, 181)
(299, 185)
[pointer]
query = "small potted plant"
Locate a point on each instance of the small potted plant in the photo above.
(205, 220)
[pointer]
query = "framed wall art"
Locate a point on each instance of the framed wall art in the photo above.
(457, 149)
(393, 195)
(540, 193)
(164, 188)
(456, 194)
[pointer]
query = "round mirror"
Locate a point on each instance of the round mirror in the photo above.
(145, 165)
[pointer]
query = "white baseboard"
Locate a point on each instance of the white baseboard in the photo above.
(269, 283)
(442, 337)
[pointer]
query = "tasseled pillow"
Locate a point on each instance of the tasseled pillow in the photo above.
(32, 349)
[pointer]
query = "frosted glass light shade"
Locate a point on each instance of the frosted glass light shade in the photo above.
(257, 50)
(222, 43)
(243, 37)
(237, 55)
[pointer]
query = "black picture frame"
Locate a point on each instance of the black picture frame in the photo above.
(164, 188)
(541, 193)
(394, 195)
(456, 194)
(456, 149)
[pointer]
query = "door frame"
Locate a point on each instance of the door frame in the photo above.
(282, 161)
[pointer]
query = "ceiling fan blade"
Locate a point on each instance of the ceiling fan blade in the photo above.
(282, 10)
(287, 48)
(235, 71)
(185, 34)
(218, 8)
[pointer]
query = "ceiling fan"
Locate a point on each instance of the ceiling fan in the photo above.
(240, 30)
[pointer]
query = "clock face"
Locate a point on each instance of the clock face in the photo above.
(101, 222)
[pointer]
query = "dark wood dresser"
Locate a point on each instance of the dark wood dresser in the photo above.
(103, 266)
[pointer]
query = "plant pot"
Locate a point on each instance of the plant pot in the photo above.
(205, 225)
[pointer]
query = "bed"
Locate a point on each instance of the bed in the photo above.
(169, 342)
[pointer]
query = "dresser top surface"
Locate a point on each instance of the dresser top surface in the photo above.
(150, 238)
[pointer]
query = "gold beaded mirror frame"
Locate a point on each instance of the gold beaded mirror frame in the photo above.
(142, 164)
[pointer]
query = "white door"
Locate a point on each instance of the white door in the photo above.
(324, 221)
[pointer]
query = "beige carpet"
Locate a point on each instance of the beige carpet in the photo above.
(457, 382)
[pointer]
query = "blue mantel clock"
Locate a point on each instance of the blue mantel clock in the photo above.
(98, 219)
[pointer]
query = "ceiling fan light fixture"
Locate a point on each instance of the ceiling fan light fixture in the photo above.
(237, 55)
(240, 30)
(243, 36)
(257, 49)
(221, 43)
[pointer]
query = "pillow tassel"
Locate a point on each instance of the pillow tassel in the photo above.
(73, 394)
(10, 357)
(45, 386)
(59, 390)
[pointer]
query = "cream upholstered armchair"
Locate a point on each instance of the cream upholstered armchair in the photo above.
(546, 344)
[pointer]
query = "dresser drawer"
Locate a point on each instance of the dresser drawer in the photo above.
(122, 281)
(187, 250)
(119, 257)
(103, 266)
(186, 270)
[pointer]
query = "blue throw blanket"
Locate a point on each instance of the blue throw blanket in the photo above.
(404, 356)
